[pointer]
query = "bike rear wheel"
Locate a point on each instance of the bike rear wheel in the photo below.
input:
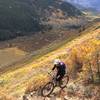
(47, 89)
(64, 81)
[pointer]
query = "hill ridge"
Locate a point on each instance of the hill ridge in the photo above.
(22, 17)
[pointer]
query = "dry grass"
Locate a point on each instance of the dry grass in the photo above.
(36, 83)
(81, 52)
(5, 96)
(18, 80)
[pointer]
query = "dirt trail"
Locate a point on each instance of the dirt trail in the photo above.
(73, 91)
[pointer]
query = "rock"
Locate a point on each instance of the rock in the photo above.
(47, 98)
(53, 97)
(66, 97)
(56, 91)
(58, 98)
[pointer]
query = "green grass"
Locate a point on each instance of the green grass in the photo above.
(16, 16)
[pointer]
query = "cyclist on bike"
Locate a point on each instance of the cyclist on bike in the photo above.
(61, 69)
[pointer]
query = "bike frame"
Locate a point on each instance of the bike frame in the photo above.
(54, 78)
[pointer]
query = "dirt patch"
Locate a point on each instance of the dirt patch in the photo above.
(10, 55)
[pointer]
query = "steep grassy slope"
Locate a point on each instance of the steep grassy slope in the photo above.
(22, 49)
(15, 82)
(5, 96)
(23, 17)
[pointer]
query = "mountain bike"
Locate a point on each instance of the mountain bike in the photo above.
(50, 86)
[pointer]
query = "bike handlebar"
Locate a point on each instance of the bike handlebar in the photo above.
(49, 73)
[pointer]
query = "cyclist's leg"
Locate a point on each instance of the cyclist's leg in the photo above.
(59, 78)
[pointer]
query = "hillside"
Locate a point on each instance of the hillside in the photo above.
(25, 17)
(23, 48)
(16, 81)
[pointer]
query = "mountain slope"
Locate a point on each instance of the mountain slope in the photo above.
(20, 17)
(16, 81)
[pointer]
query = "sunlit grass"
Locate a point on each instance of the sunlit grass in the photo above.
(18, 80)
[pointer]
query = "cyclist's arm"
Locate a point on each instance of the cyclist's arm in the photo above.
(54, 67)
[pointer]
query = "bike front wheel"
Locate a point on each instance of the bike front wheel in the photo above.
(47, 89)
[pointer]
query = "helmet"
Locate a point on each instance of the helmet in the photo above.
(57, 61)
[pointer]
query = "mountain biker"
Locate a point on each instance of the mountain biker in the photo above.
(61, 69)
